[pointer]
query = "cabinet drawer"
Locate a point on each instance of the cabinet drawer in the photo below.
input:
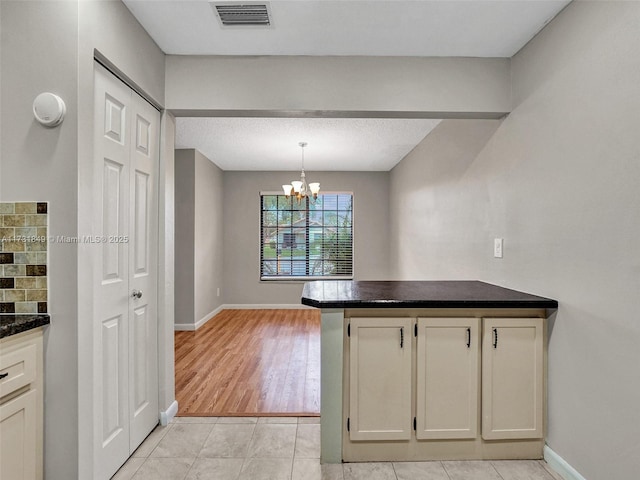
(19, 366)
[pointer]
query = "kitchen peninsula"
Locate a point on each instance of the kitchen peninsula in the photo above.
(430, 370)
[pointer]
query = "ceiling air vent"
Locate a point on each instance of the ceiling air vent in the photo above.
(239, 14)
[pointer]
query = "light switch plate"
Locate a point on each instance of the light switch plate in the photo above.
(497, 247)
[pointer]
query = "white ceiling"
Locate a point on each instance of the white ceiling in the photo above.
(267, 144)
(468, 28)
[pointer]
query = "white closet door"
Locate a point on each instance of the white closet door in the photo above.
(124, 250)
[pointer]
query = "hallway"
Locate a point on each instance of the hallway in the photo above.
(249, 363)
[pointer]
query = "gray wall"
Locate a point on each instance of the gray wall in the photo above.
(39, 42)
(558, 180)
(199, 227)
(208, 237)
(242, 221)
(48, 46)
(185, 230)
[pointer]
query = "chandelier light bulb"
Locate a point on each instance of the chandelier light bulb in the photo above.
(315, 189)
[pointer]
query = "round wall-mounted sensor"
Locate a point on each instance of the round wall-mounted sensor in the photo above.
(49, 109)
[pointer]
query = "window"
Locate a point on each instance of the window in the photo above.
(310, 239)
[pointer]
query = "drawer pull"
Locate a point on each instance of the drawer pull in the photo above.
(401, 337)
(4, 375)
(468, 338)
(495, 338)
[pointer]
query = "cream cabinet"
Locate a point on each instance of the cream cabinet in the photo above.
(512, 378)
(21, 406)
(470, 387)
(447, 378)
(380, 378)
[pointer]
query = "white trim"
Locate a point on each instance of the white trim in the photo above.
(167, 416)
(560, 465)
(208, 316)
(265, 306)
(184, 327)
(191, 327)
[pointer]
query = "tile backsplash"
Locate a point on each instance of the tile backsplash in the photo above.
(23, 257)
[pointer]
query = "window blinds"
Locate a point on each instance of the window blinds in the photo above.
(306, 239)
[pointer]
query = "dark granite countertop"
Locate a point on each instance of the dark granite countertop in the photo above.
(12, 324)
(417, 294)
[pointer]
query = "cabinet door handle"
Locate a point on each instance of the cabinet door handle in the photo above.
(401, 337)
(495, 338)
(3, 375)
(468, 337)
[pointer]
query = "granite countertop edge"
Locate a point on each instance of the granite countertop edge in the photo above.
(12, 324)
(419, 294)
(547, 303)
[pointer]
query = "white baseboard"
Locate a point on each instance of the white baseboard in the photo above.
(191, 327)
(265, 306)
(184, 327)
(169, 413)
(560, 465)
(209, 316)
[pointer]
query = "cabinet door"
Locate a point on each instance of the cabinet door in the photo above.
(380, 378)
(18, 439)
(512, 378)
(448, 376)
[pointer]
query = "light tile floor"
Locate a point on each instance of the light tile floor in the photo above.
(287, 448)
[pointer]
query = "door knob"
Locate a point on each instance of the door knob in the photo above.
(136, 294)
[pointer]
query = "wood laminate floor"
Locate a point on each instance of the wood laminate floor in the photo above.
(250, 363)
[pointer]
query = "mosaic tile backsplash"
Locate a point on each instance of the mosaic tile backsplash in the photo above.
(23, 257)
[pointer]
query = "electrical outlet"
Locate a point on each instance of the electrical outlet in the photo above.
(497, 247)
(218, 291)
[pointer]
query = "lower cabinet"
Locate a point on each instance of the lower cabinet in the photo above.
(18, 437)
(21, 406)
(447, 378)
(380, 378)
(512, 378)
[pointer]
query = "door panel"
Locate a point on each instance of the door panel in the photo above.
(140, 332)
(114, 122)
(141, 216)
(114, 375)
(113, 262)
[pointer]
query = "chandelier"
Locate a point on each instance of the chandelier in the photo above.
(299, 188)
